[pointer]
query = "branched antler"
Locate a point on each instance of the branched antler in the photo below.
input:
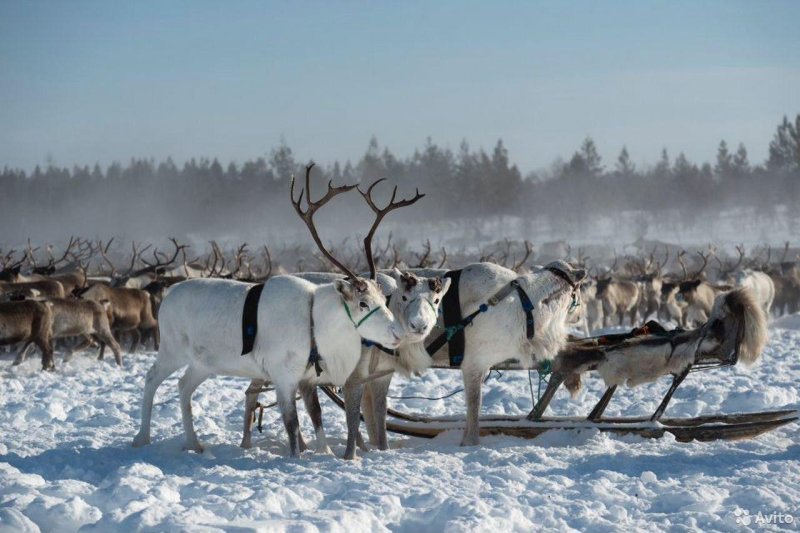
(311, 207)
(160, 263)
(528, 251)
(424, 260)
(379, 214)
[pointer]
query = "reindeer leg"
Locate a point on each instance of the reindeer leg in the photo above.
(23, 354)
(311, 401)
(46, 347)
(186, 387)
(106, 338)
(601, 405)
(137, 338)
(161, 370)
(380, 389)
(251, 399)
(677, 379)
(473, 380)
(352, 406)
(555, 381)
(288, 407)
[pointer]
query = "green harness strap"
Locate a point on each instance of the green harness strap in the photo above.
(350, 316)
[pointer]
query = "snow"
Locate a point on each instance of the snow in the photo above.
(66, 461)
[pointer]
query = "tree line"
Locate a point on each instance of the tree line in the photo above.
(204, 197)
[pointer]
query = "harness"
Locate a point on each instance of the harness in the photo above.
(250, 327)
(454, 323)
(314, 358)
(250, 318)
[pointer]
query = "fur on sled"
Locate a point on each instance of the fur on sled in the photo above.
(736, 330)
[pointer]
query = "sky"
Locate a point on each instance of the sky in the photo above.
(98, 81)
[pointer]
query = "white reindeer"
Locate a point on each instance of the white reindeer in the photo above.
(201, 327)
(495, 336)
(414, 301)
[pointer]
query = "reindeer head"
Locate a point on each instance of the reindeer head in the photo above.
(603, 283)
(688, 290)
(416, 303)
(365, 305)
(10, 275)
(554, 292)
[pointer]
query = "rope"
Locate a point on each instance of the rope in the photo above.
(448, 395)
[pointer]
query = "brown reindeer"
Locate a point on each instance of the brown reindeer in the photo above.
(131, 310)
(619, 298)
(45, 288)
(74, 317)
(698, 293)
(29, 322)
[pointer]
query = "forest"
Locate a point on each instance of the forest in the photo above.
(206, 198)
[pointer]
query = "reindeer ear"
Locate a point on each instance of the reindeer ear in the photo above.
(444, 284)
(396, 274)
(345, 288)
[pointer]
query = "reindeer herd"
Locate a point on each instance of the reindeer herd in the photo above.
(338, 327)
(642, 287)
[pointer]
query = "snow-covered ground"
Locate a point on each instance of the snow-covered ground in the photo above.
(66, 461)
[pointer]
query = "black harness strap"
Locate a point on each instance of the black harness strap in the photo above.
(369, 344)
(250, 318)
(314, 358)
(454, 324)
(451, 311)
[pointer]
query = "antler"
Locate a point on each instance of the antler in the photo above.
(267, 263)
(312, 207)
(681, 255)
(704, 257)
(423, 257)
(159, 262)
(52, 262)
(528, 251)
(444, 258)
(666, 260)
(379, 214)
(785, 252)
(616, 259)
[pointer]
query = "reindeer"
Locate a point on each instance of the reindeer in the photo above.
(86, 319)
(30, 322)
(131, 310)
(44, 288)
(650, 280)
(619, 298)
(497, 335)
(413, 300)
(698, 293)
(306, 332)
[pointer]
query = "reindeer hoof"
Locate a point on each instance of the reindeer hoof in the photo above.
(193, 447)
(325, 450)
(141, 440)
(470, 441)
(246, 444)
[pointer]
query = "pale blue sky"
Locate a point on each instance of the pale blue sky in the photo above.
(99, 81)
